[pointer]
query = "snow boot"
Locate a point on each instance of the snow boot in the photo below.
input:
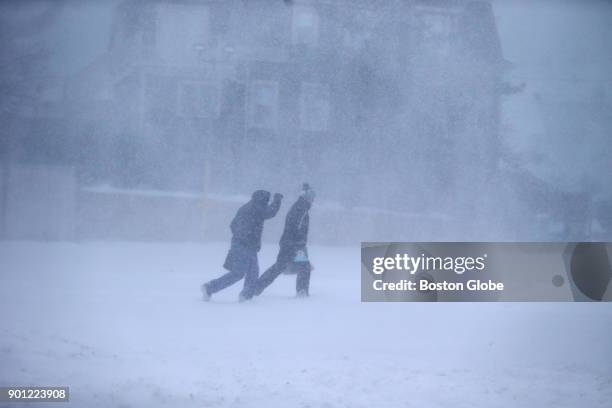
(205, 294)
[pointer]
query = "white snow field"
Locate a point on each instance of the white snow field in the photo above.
(123, 325)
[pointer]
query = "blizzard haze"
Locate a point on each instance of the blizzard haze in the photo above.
(131, 131)
(451, 120)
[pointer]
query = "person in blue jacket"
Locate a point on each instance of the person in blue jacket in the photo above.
(293, 253)
(241, 260)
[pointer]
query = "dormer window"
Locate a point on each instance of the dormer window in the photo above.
(305, 26)
(437, 30)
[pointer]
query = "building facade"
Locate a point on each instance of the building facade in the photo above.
(375, 102)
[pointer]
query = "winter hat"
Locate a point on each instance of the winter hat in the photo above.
(308, 193)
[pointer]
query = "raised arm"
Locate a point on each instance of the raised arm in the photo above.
(273, 208)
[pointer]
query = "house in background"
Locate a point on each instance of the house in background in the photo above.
(373, 102)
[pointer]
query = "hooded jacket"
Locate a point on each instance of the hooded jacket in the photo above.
(295, 233)
(247, 225)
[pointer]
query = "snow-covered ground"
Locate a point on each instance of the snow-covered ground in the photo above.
(123, 325)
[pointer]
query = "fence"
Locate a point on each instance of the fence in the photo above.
(38, 202)
(45, 203)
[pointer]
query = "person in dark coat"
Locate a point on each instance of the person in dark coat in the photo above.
(241, 260)
(293, 253)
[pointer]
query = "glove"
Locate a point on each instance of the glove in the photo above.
(278, 196)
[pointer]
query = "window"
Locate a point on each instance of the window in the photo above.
(305, 26)
(183, 30)
(437, 31)
(148, 22)
(436, 26)
(263, 104)
(50, 92)
(314, 107)
(270, 29)
(198, 99)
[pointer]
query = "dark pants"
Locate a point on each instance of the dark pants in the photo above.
(285, 259)
(241, 263)
(302, 282)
